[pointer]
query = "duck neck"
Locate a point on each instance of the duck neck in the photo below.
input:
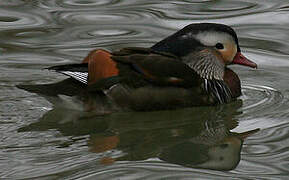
(233, 82)
(206, 63)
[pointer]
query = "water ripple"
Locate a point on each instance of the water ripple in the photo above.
(263, 107)
(135, 16)
(75, 4)
(259, 99)
(237, 13)
(256, 169)
(16, 19)
(11, 3)
(158, 170)
(149, 170)
(86, 3)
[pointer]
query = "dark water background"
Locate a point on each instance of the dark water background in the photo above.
(42, 142)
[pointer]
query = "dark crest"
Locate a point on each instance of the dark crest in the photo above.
(179, 46)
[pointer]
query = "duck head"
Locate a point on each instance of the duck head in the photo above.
(217, 154)
(206, 47)
(226, 154)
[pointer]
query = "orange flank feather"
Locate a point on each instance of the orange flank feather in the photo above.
(100, 65)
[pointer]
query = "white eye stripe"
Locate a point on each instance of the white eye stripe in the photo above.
(211, 38)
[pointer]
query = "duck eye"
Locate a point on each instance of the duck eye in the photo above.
(219, 46)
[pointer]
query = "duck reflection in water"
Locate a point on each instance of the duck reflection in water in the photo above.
(209, 150)
(197, 137)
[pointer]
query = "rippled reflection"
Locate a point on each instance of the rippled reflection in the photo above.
(194, 137)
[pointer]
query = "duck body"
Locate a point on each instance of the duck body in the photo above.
(185, 69)
(141, 79)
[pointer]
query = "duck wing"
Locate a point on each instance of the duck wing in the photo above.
(161, 69)
(135, 67)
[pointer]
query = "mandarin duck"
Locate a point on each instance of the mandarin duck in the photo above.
(188, 68)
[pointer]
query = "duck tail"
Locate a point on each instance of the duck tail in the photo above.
(69, 87)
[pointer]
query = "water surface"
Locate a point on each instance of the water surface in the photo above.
(38, 140)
